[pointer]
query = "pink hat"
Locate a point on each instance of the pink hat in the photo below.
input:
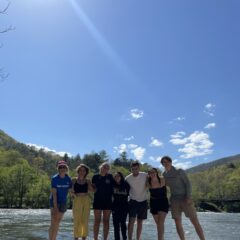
(62, 163)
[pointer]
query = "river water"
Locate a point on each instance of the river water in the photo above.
(32, 224)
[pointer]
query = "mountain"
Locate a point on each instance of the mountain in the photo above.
(11, 149)
(222, 161)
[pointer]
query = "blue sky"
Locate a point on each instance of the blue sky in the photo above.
(147, 77)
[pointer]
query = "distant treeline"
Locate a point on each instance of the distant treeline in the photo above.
(25, 174)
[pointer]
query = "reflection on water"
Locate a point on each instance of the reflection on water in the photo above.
(33, 225)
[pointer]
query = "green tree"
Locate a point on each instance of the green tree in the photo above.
(7, 188)
(38, 193)
(24, 178)
(93, 161)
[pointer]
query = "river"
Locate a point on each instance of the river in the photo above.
(32, 224)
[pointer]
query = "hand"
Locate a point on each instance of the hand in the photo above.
(73, 195)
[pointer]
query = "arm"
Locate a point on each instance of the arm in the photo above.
(127, 187)
(147, 182)
(54, 194)
(91, 188)
(72, 192)
(187, 184)
(93, 184)
(163, 182)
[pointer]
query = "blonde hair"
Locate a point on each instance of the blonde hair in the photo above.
(104, 164)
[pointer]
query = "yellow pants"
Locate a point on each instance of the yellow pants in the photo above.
(81, 212)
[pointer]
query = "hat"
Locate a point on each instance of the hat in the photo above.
(62, 163)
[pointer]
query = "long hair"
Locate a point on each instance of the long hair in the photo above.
(150, 179)
(122, 181)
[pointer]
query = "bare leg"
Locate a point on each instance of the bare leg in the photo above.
(56, 218)
(155, 217)
(130, 227)
(139, 228)
(178, 222)
(106, 217)
(198, 228)
(159, 220)
(97, 220)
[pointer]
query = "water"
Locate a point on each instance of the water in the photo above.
(33, 225)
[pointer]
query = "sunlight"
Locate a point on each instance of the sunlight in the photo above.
(101, 41)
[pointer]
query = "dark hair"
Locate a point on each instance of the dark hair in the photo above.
(122, 181)
(85, 167)
(166, 158)
(150, 180)
(135, 163)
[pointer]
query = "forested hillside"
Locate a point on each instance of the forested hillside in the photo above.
(206, 166)
(25, 176)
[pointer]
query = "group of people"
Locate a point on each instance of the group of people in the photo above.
(122, 197)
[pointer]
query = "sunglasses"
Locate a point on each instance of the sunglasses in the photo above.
(61, 167)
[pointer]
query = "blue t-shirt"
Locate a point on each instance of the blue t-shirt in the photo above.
(62, 186)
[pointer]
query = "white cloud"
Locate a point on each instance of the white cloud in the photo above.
(155, 159)
(131, 146)
(180, 118)
(183, 165)
(155, 142)
(196, 144)
(178, 134)
(209, 109)
(129, 138)
(138, 153)
(178, 141)
(46, 149)
(121, 148)
(210, 125)
(136, 113)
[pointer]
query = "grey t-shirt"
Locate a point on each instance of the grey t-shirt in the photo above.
(178, 183)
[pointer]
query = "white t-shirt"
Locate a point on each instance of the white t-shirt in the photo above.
(138, 190)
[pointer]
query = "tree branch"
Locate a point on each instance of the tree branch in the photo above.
(5, 9)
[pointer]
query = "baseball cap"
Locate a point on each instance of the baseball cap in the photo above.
(62, 163)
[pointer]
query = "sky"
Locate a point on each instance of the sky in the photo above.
(151, 78)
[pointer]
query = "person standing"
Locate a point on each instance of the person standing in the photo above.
(120, 206)
(138, 199)
(81, 202)
(158, 200)
(60, 185)
(102, 203)
(180, 198)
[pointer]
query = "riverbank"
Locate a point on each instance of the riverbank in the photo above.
(218, 206)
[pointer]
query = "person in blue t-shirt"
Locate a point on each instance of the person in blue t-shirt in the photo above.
(60, 185)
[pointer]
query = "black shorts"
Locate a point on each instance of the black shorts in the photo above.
(102, 205)
(137, 209)
(62, 207)
(159, 205)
